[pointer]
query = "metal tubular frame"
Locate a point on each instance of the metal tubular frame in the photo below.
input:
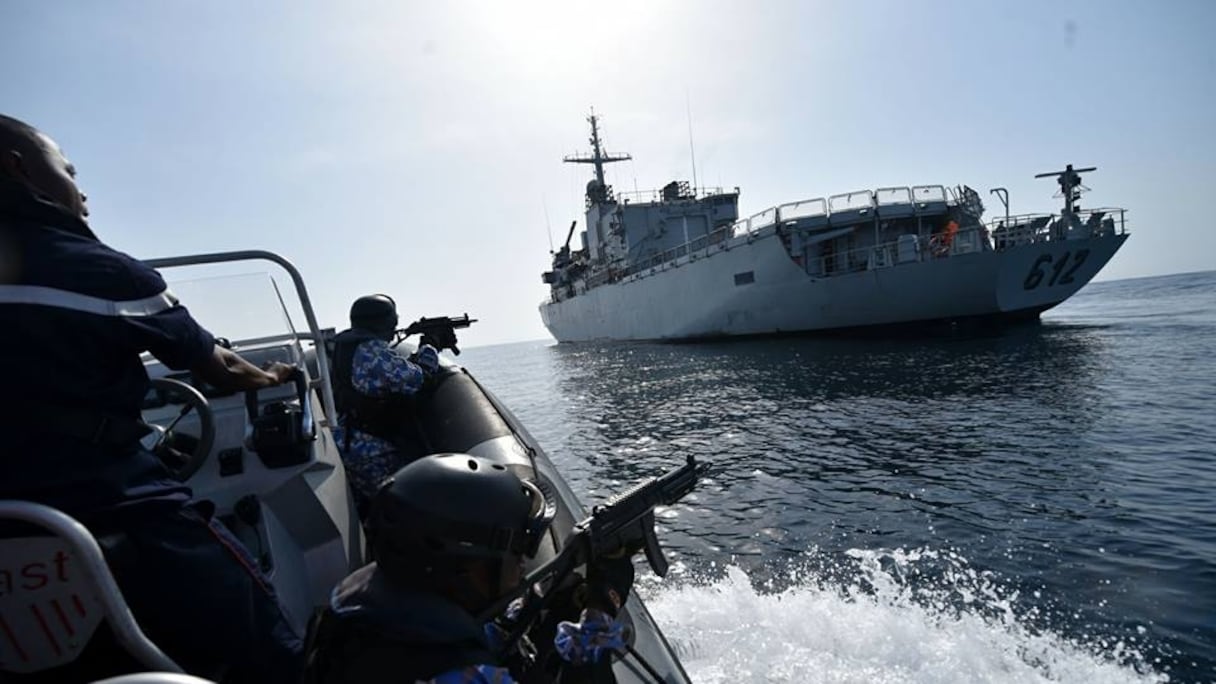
(327, 391)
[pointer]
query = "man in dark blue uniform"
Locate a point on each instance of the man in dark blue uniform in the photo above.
(75, 315)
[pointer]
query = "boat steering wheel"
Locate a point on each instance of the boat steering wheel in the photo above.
(183, 465)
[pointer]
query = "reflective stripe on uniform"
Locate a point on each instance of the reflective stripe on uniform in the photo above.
(64, 299)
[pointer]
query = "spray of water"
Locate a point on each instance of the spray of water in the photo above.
(880, 619)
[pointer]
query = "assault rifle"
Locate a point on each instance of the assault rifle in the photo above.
(625, 524)
(439, 332)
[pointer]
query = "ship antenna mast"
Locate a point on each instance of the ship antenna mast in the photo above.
(598, 157)
(1070, 185)
(691, 148)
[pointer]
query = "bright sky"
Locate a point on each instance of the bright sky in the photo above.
(415, 147)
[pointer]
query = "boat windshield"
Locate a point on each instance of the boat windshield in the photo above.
(244, 308)
(265, 313)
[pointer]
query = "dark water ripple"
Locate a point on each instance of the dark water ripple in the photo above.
(1075, 460)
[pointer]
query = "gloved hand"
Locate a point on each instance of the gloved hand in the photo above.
(496, 630)
(609, 579)
(427, 359)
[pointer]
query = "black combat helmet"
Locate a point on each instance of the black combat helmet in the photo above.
(376, 313)
(440, 514)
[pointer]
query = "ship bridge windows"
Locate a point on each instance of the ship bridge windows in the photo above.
(745, 278)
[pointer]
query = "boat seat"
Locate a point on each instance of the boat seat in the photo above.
(58, 592)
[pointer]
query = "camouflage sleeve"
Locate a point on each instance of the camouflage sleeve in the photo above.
(593, 638)
(378, 372)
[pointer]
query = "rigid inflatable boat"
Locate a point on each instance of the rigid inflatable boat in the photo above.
(268, 462)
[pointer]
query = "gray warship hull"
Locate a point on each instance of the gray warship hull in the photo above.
(748, 285)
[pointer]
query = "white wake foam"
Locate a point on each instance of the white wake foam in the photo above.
(875, 627)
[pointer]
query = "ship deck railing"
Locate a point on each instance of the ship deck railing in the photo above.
(1025, 229)
(906, 249)
(997, 235)
(853, 208)
(698, 193)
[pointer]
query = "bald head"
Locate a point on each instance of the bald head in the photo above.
(15, 131)
(17, 137)
(32, 159)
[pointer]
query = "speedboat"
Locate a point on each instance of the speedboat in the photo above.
(268, 462)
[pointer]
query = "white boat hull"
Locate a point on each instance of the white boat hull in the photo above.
(699, 298)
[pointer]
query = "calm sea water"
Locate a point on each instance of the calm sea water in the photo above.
(1033, 505)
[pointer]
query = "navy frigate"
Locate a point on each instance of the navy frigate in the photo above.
(680, 264)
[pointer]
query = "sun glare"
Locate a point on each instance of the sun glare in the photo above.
(558, 39)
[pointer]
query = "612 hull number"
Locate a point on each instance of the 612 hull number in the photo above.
(1060, 270)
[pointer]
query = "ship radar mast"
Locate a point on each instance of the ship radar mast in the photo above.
(599, 191)
(1070, 185)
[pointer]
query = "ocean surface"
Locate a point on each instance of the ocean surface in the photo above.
(1033, 505)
